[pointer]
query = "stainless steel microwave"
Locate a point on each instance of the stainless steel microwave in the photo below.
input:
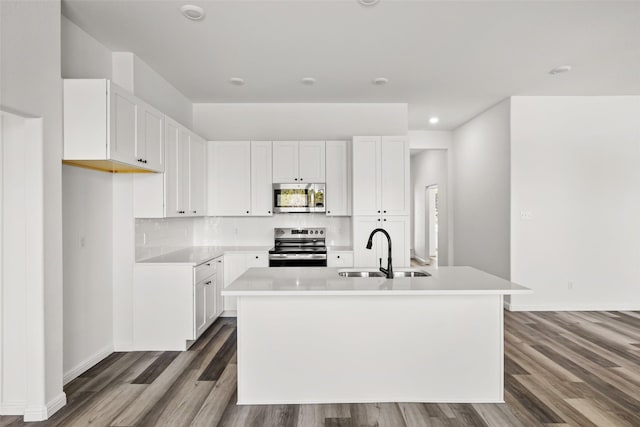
(298, 198)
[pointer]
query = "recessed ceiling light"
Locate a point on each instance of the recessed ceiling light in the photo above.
(368, 2)
(433, 120)
(236, 81)
(192, 12)
(380, 81)
(561, 69)
(309, 81)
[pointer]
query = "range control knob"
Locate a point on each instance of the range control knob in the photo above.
(321, 231)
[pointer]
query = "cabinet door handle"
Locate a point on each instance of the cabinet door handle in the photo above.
(378, 211)
(207, 283)
(295, 179)
(208, 264)
(384, 211)
(247, 211)
(144, 161)
(140, 160)
(269, 212)
(385, 219)
(220, 261)
(257, 257)
(301, 179)
(378, 219)
(328, 212)
(195, 211)
(338, 257)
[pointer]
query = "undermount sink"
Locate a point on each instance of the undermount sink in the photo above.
(412, 273)
(409, 273)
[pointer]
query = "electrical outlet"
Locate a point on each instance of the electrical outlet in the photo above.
(570, 286)
(526, 215)
(82, 242)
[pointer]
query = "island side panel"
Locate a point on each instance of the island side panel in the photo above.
(338, 349)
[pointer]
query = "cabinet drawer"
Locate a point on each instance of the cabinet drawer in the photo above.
(340, 259)
(205, 270)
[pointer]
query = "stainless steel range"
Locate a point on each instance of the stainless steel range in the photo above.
(299, 247)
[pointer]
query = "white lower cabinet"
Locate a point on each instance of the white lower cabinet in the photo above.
(235, 265)
(398, 229)
(174, 304)
(341, 259)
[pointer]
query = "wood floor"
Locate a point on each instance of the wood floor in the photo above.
(561, 369)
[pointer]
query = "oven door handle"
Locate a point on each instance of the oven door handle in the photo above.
(297, 256)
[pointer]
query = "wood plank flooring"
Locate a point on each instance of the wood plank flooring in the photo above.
(561, 369)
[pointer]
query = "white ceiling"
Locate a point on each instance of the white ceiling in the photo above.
(445, 58)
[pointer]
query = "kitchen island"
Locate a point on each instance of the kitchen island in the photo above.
(308, 335)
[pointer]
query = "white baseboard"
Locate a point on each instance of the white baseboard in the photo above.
(73, 373)
(577, 307)
(15, 407)
(41, 413)
(123, 346)
(229, 313)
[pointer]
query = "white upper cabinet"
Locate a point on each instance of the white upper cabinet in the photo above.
(197, 175)
(181, 190)
(298, 161)
(381, 176)
(150, 141)
(123, 125)
(171, 179)
(366, 175)
(240, 174)
(107, 128)
(229, 178)
(261, 173)
(285, 162)
(338, 178)
(395, 183)
(311, 161)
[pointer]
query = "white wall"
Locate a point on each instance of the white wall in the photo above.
(87, 214)
(575, 169)
(481, 202)
(87, 231)
(430, 167)
(82, 55)
(298, 121)
(420, 140)
(30, 69)
(430, 139)
(154, 89)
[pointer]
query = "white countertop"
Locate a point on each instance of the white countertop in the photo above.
(339, 248)
(325, 281)
(197, 255)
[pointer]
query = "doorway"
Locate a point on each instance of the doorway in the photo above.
(431, 224)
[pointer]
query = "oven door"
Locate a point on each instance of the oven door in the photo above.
(297, 260)
(298, 198)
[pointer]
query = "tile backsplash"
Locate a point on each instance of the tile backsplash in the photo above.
(157, 236)
(232, 231)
